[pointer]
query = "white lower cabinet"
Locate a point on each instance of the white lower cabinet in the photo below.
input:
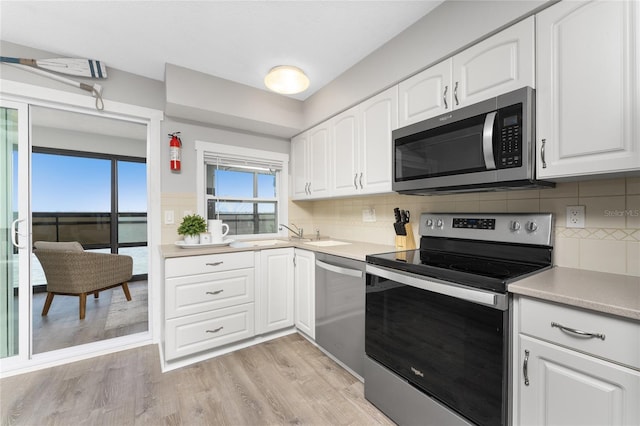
(208, 302)
(274, 293)
(305, 304)
(567, 377)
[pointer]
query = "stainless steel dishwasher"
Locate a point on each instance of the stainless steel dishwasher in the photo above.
(340, 309)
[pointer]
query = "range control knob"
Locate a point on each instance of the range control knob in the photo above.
(531, 226)
(514, 226)
(429, 223)
(439, 223)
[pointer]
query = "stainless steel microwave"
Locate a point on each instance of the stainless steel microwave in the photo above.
(486, 146)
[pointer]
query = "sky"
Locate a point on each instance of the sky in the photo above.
(76, 184)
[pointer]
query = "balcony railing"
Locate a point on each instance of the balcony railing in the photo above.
(95, 233)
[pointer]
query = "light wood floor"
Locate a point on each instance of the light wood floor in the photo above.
(63, 328)
(284, 381)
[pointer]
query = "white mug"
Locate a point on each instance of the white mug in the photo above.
(215, 227)
(205, 238)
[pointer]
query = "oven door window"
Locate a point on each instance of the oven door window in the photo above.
(448, 150)
(451, 349)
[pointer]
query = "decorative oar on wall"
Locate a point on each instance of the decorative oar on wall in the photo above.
(71, 66)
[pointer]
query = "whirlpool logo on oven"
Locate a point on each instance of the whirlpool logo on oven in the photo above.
(417, 372)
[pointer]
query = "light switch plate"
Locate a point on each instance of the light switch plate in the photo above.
(169, 217)
(575, 216)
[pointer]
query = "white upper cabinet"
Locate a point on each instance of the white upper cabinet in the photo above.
(345, 152)
(588, 88)
(378, 118)
(310, 163)
(497, 65)
(361, 145)
(426, 94)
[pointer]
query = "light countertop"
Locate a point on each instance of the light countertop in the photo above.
(598, 291)
(353, 250)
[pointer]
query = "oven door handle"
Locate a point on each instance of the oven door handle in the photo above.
(487, 141)
(498, 301)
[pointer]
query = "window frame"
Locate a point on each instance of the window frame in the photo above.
(282, 179)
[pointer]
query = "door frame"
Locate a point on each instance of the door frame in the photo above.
(52, 98)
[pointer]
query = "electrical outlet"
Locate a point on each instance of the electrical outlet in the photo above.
(368, 215)
(575, 216)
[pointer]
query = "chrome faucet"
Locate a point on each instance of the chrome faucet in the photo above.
(298, 233)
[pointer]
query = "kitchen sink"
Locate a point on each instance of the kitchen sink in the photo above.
(326, 243)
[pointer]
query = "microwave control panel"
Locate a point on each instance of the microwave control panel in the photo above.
(510, 142)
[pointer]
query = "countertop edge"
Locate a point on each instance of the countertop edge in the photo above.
(584, 289)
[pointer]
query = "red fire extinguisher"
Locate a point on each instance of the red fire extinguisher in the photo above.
(175, 149)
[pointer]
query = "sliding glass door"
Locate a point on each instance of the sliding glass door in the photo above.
(15, 247)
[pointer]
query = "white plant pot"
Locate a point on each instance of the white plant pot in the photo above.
(192, 239)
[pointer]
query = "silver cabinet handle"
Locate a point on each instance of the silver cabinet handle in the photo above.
(214, 292)
(455, 93)
(216, 330)
(487, 140)
(580, 333)
(215, 264)
(542, 156)
(361, 180)
(525, 368)
(309, 187)
(355, 177)
(444, 97)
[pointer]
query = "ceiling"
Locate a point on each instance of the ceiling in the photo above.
(235, 40)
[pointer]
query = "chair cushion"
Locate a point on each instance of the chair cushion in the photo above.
(52, 245)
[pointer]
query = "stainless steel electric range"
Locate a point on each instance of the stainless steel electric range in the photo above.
(437, 318)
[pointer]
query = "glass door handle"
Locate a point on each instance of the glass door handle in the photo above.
(15, 233)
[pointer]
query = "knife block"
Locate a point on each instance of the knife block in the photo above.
(406, 242)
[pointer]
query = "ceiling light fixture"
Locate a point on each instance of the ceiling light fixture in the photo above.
(286, 79)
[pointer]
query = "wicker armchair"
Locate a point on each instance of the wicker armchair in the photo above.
(72, 271)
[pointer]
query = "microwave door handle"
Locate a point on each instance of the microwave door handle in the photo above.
(487, 140)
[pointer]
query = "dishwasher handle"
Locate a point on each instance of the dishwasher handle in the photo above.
(339, 269)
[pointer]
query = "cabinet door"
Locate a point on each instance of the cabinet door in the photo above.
(497, 65)
(275, 290)
(319, 161)
(588, 88)
(305, 300)
(379, 116)
(426, 94)
(569, 388)
(299, 167)
(345, 141)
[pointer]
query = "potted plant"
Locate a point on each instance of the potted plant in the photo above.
(191, 227)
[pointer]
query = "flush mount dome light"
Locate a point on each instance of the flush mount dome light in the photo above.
(286, 79)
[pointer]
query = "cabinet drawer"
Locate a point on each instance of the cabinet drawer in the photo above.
(191, 265)
(195, 333)
(620, 341)
(201, 293)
